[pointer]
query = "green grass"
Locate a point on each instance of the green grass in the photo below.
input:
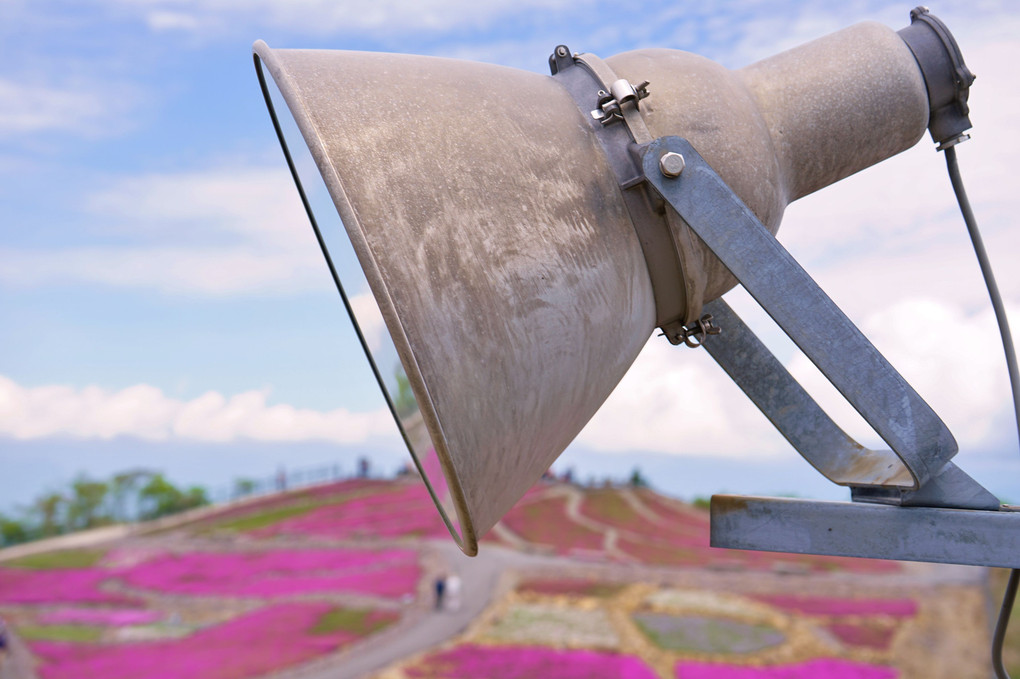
(603, 589)
(263, 519)
(706, 635)
(60, 633)
(68, 558)
(360, 621)
(571, 587)
(610, 505)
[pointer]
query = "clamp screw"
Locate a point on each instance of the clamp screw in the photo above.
(671, 164)
(561, 51)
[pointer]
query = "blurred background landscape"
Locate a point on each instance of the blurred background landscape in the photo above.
(163, 303)
(340, 578)
(172, 351)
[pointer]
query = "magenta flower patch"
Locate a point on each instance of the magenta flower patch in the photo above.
(671, 534)
(434, 472)
(406, 511)
(471, 661)
(387, 573)
(544, 521)
(264, 641)
(77, 585)
(821, 668)
(108, 617)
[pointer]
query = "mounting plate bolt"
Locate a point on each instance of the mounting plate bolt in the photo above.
(671, 164)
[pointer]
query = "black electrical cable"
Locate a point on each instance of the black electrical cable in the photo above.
(1014, 380)
(1000, 627)
(343, 295)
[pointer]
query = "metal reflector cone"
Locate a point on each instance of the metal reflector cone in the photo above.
(495, 239)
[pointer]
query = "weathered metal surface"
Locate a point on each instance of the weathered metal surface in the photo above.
(494, 237)
(791, 124)
(951, 487)
(796, 415)
(839, 104)
(497, 241)
(959, 536)
(584, 77)
(822, 331)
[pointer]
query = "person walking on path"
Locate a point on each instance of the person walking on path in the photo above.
(4, 647)
(440, 591)
(453, 593)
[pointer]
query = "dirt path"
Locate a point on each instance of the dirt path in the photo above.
(479, 580)
(17, 663)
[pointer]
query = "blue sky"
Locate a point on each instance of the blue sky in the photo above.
(163, 303)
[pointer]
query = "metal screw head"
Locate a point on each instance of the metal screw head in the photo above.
(671, 164)
(561, 51)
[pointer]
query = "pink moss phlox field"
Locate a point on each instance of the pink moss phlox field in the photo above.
(670, 534)
(406, 510)
(528, 662)
(338, 488)
(609, 507)
(434, 472)
(109, 617)
(821, 668)
(810, 605)
(266, 640)
(387, 573)
(545, 521)
(683, 526)
(77, 585)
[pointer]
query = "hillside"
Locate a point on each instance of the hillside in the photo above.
(337, 581)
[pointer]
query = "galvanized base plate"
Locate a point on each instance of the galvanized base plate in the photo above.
(959, 536)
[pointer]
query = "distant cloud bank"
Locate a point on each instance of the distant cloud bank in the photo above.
(673, 400)
(145, 412)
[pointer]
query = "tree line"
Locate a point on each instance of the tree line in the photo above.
(134, 495)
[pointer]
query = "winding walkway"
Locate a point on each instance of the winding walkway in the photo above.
(480, 578)
(17, 664)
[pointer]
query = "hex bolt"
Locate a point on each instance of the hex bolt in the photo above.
(671, 164)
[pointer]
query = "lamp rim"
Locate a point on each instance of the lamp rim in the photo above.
(466, 538)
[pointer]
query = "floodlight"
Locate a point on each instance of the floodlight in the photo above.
(523, 235)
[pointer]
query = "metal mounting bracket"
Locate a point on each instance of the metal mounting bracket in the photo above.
(941, 514)
(967, 537)
(917, 469)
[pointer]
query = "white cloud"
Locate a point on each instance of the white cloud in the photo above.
(249, 203)
(203, 270)
(172, 21)
(225, 231)
(324, 17)
(36, 109)
(952, 358)
(370, 320)
(675, 400)
(145, 412)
